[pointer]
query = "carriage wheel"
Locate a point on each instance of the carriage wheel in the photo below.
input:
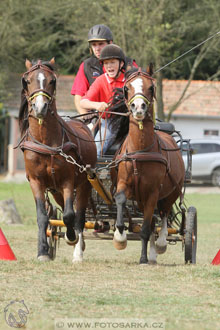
(191, 235)
(52, 242)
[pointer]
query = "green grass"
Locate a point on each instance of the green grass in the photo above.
(23, 198)
(110, 283)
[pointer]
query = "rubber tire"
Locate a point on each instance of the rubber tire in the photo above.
(216, 177)
(191, 235)
(52, 242)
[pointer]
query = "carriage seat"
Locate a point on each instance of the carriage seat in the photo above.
(168, 128)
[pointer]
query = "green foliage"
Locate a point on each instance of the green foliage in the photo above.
(155, 31)
(148, 30)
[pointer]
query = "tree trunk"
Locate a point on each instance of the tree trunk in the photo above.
(159, 95)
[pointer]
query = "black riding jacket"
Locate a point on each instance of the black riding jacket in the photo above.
(93, 68)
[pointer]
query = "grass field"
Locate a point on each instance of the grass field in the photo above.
(109, 283)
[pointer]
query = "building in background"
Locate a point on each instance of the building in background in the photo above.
(199, 114)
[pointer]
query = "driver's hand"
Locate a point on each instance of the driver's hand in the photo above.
(102, 106)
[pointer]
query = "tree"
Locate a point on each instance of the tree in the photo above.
(155, 31)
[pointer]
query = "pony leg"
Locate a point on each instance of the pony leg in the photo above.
(71, 237)
(82, 196)
(42, 221)
(152, 253)
(161, 243)
(120, 237)
(145, 235)
(78, 249)
(147, 230)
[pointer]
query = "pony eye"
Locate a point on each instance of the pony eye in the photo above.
(152, 90)
(52, 81)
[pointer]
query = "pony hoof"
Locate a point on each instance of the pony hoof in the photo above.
(161, 249)
(77, 260)
(143, 263)
(119, 245)
(152, 262)
(72, 243)
(44, 258)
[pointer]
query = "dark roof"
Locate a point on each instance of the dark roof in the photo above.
(201, 99)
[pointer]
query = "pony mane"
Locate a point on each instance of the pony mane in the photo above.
(119, 124)
(129, 72)
(23, 113)
(23, 110)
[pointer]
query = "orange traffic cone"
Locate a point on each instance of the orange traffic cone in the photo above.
(6, 252)
(216, 260)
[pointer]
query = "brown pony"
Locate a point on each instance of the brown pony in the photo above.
(55, 154)
(150, 166)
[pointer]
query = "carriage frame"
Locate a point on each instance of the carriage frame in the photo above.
(102, 211)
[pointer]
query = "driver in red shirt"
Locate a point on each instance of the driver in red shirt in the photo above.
(102, 90)
(98, 37)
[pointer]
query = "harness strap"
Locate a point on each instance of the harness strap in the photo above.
(136, 181)
(52, 152)
(43, 149)
(144, 157)
(168, 150)
(67, 129)
(141, 157)
(53, 172)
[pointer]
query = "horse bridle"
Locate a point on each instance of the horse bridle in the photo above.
(137, 95)
(39, 91)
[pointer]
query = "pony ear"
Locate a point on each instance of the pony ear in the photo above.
(28, 64)
(125, 91)
(150, 69)
(128, 67)
(52, 61)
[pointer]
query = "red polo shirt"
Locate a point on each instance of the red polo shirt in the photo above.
(81, 85)
(102, 88)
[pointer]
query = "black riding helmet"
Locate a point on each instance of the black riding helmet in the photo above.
(100, 32)
(112, 51)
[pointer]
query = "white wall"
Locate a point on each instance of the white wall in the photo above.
(193, 128)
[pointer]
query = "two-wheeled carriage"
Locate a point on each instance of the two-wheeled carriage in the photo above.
(146, 175)
(102, 211)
